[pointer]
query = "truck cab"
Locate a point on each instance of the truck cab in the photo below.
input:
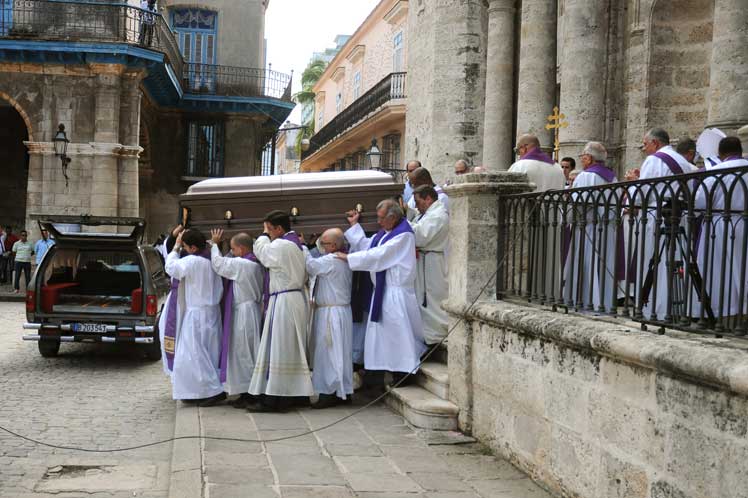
(99, 285)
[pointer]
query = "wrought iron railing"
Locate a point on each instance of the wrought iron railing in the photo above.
(392, 87)
(77, 20)
(671, 251)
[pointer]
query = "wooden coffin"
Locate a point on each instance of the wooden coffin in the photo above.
(315, 201)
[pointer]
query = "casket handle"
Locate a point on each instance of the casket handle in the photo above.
(359, 208)
(294, 211)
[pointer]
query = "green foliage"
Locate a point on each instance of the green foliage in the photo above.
(309, 78)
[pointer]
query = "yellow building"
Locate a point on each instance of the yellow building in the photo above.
(362, 96)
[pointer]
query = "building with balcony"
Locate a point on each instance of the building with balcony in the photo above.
(151, 102)
(362, 95)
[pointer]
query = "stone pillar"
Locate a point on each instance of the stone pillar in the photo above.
(104, 175)
(472, 260)
(35, 185)
(536, 89)
(743, 135)
(499, 115)
(583, 61)
(728, 91)
(128, 200)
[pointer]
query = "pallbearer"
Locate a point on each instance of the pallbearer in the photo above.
(242, 313)
(195, 358)
(431, 229)
(332, 322)
(394, 335)
(282, 369)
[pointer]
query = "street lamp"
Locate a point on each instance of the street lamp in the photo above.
(61, 148)
(374, 156)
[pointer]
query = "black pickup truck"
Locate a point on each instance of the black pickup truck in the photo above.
(98, 285)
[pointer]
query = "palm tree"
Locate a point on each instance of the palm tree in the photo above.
(306, 96)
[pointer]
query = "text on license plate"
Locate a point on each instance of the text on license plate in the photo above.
(99, 328)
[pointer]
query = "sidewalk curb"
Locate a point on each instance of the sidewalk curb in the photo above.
(12, 298)
(186, 479)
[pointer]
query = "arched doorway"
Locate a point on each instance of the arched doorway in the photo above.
(14, 164)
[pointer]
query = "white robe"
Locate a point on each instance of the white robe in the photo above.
(432, 240)
(545, 176)
(591, 272)
(332, 325)
(413, 213)
(395, 343)
(246, 317)
(712, 265)
(282, 367)
(198, 347)
(654, 167)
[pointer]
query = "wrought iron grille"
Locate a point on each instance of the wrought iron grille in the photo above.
(390, 88)
(77, 20)
(671, 251)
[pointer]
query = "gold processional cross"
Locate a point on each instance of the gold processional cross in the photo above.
(556, 122)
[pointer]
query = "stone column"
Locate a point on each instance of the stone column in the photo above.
(499, 115)
(728, 91)
(472, 260)
(583, 72)
(536, 89)
(104, 175)
(128, 193)
(35, 185)
(742, 134)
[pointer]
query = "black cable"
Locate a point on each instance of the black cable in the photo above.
(305, 433)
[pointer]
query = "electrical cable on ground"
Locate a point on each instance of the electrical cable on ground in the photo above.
(311, 431)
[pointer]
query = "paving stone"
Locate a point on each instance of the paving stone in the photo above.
(235, 447)
(239, 476)
(315, 492)
(509, 488)
(366, 465)
(303, 470)
(384, 483)
(440, 481)
(223, 459)
(336, 449)
(482, 467)
(279, 421)
(231, 491)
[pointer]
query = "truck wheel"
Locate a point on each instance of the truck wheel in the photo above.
(49, 349)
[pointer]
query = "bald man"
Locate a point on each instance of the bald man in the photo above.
(332, 322)
(539, 167)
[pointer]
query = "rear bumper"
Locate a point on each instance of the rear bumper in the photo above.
(64, 333)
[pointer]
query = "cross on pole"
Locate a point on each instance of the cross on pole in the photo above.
(556, 122)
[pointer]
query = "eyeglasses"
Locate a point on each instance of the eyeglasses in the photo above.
(518, 148)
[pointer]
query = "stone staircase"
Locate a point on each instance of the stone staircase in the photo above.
(426, 404)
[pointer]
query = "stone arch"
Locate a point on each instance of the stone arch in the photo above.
(680, 52)
(15, 133)
(14, 103)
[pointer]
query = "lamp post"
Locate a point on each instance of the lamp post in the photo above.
(374, 156)
(61, 148)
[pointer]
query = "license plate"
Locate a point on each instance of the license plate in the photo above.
(96, 328)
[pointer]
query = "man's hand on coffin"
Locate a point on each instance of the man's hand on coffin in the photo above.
(177, 230)
(178, 243)
(341, 255)
(216, 235)
(353, 217)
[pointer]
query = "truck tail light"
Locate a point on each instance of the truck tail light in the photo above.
(30, 300)
(151, 305)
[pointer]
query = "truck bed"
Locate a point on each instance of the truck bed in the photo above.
(114, 305)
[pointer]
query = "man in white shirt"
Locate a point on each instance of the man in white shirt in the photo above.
(539, 167)
(418, 177)
(332, 321)
(242, 313)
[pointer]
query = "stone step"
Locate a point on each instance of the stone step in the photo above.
(423, 409)
(434, 377)
(440, 355)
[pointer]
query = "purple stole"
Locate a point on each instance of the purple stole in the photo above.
(228, 315)
(538, 155)
(671, 163)
(170, 334)
(382, 237)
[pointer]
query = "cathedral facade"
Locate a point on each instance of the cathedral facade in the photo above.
(483, 72)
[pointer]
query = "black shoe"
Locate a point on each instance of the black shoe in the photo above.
(212, 401)
(243, 401)
(326, 401)
(402, 379)
(264, 408)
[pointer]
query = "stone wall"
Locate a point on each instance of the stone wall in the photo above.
(588, 408)
(593, 409)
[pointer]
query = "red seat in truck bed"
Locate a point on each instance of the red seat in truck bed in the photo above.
(50, 294)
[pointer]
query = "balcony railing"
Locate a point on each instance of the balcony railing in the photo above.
(390, 88)
(671, 252)
(78, 21)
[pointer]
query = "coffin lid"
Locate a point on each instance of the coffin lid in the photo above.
(281, 184)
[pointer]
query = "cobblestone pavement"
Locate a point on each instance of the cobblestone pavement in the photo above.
(92, 396)
(371, 455)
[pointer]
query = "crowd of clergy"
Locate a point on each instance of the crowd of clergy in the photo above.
(274, 323)
(597, 271)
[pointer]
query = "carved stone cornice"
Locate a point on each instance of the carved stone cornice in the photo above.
(85, 149)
